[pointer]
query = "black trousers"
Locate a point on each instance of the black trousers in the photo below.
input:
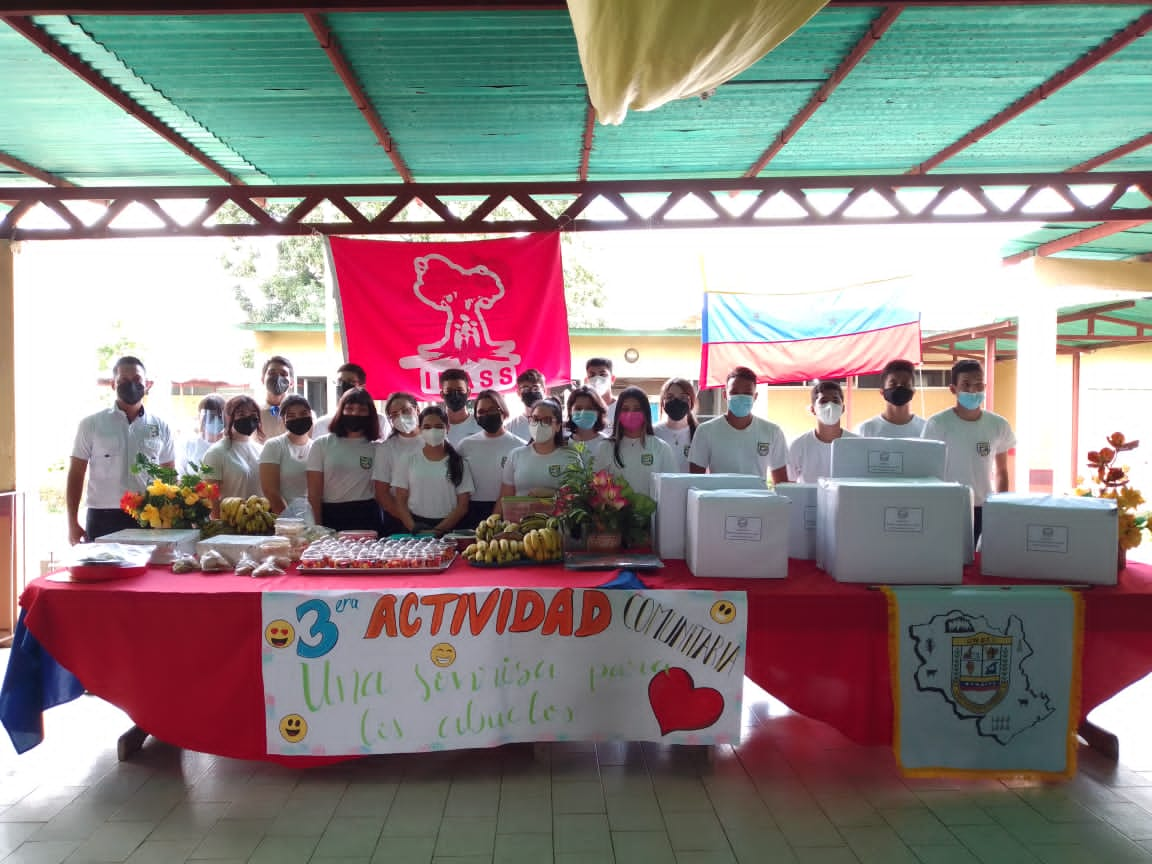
(352, 516)
(977, 523)
(478, 511)
(100, 521)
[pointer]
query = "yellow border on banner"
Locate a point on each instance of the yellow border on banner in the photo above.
(989, 774)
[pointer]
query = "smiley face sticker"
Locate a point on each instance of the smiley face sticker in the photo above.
(723, 611)
(293, 728)
(442, 655)
(279, 633)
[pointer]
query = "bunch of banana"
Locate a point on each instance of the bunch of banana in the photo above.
(495, 551)
(213, 527)
(543, 544)
(491, 527)
(252, 515)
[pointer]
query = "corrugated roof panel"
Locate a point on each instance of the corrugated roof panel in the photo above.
(260, 83)
(53, 120)
(938, 73)
(499, 95)
(1125, 244)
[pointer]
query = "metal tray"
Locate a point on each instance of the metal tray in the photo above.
(373, 571)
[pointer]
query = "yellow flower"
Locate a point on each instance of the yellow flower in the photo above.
(1129, 498)
(190, 499)
(157, 487)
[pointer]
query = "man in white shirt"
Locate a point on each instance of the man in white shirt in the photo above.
(105, 449)
(278, 379)
(977, 442)
(455, 388)
(530, 385)
(737, 442)
(898, 381)
(598, 376)
(347, 376)
(810, 455)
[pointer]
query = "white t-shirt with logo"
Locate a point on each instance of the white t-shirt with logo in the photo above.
(526, 469)
(109, 444)
(392, 450)
(679, 440)
(970, 448)
(236, 467)
(723, 449)
(486, 458)
(293, 462)
(878, 427)
(809, 458)
(430, 491)
(346, 464)
(641, 460)
(457, 432)
(518, 426)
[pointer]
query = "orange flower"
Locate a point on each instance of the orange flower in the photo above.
(1116, 439)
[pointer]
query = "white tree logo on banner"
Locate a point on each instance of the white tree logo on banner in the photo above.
(463, 295)
(978, 669)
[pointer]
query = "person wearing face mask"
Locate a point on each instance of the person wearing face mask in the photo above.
(284, 459)
(896, 420)
(278, 379)
(678, 402)
(530, 386)
(105, 449)
(455, 388)
(486, 453)
(976, 442)
(738, 442)
(634, 452)
(404, 439)
(235, 458)
(347, 376)
(209, 430)
(340, 467)
(433, 485)
(587, 420)
(537, 468)
(599, 378)
(810, 455)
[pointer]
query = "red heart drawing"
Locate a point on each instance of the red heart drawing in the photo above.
(680, 705)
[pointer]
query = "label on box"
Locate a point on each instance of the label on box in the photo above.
(885, 462)
(744, 528)
(810, 518)
(1048, 538)
(904, 520)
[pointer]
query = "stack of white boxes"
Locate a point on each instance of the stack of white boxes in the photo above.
(893, 531)
(801, 519)
(670, 492)
(1057, 539)
(738, 533)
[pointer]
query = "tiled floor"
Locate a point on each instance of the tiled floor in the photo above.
(793, 791)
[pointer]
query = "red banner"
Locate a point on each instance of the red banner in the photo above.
(491, 307)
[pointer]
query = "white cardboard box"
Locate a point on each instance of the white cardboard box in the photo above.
(738, 533)
(882, 458)
(169, 542)
(903, 532)
(802, 519)
(1054, 538)
(670, 492)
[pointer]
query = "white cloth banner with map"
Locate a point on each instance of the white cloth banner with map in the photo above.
(985, 681)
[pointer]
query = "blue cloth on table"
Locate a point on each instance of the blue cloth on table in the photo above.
(33, 683)
(625, 580)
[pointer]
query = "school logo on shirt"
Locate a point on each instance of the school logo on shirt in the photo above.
(503, 460)
(365, 462)
(646, 459)
(554, 470)
(152, 430)
(763, 447)
(983, 449)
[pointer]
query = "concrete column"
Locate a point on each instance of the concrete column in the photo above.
(1036, 383)
(11, 531)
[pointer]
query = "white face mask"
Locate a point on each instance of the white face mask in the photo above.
(600, 383)
(829, 413)
(433, 437)
(405, 423)
(541, 432)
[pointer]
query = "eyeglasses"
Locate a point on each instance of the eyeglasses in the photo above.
(542, 421)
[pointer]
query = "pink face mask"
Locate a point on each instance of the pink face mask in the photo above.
(632, 420)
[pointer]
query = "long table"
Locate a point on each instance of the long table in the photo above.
(180, 654)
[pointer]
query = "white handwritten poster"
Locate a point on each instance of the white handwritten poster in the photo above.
(377, 672)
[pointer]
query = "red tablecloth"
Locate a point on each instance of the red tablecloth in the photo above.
(181, 653)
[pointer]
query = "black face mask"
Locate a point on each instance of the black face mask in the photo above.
(490, 422)
(245, 425)
(130, 392)
(344, 386)
(355, 423)
(898, 395)
(298, 426)
(531, 397)
(676, 409)
(455, 400)
(276, 385)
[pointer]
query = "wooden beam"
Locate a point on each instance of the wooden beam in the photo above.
(1115, 153)
(586, 140)
(32, 171)
(1077, 238)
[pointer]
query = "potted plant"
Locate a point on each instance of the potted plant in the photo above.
(171, 500)
(600, 511)
(1110, 480)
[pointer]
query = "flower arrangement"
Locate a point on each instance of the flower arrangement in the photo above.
(590, 501)
(171, 500)
(1111, 481)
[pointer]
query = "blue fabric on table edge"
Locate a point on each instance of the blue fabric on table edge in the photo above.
(625, 580)
(33, 683)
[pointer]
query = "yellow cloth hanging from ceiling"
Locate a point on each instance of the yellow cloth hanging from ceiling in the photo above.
(639, 54)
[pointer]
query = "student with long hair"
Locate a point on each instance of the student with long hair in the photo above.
(587, 419)
(634, 452)
(284, 459)
(404, 439)
(537, 468)
(433, 485)
(235, 458)
(340, 466)
(678, 404)
(486, 453)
